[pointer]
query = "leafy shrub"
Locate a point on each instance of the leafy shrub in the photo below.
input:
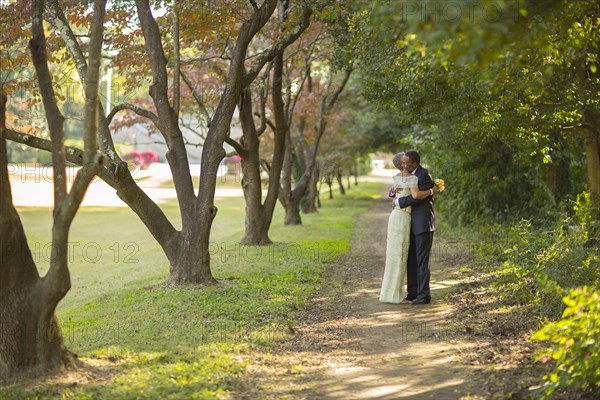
(575, 344)
(540, 263)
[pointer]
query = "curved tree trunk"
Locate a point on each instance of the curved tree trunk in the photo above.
(291, 199)
(188, 250)
(30, 337)
(259, 215)
(198, 212)
(29, 334)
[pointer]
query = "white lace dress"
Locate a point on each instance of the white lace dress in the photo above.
(393, 288)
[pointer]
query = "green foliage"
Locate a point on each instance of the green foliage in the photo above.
(364, 165)
(501, 104)
(488, 181)
(535, 264)
(541, 262)
(575, 344)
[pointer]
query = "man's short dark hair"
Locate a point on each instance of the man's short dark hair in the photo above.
(413, 156)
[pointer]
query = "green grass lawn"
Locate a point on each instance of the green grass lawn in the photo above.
(185, 343)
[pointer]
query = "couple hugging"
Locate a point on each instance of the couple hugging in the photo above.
(410, 233)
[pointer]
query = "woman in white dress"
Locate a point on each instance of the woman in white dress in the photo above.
(398, 237)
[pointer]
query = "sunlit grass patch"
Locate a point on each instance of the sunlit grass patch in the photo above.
(189, 342)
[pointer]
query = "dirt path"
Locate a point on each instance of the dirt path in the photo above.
(350, 346)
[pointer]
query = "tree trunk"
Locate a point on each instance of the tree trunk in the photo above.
(188, 250)
(319, 195)
(190, 256)
(257, 224)
(30, 337)
(257, 230)
(292, 198)
(559, 174)
(29, 333)
(290, 203)
(591, 131)
(592, 153)
(197, 212)
(258, 215)
(312, 193)
(338, 177)
(355, 173)
(292, 212)
(330, 184)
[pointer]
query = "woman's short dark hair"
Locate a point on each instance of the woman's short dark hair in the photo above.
(413, 156)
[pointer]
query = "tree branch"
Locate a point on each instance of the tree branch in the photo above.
(238, 147)
(168, 121)
(254, 5)
(263, 100)
(198, 133)
(291, 106)
(73, 154)
(5, 191)
(269, 54)
(56, 17)
(93, 80)
(54, 118)
(198, 99)
(177, 58)
(339, 90)
(138, 110)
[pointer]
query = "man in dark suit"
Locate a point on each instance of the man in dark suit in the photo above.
(421, 232)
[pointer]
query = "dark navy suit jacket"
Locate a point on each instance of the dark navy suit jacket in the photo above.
(422, 215)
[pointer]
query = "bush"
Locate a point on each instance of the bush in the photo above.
(575, 345)
(539, 264)
(552, 265)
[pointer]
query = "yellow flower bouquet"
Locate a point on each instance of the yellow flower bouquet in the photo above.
(439, 183)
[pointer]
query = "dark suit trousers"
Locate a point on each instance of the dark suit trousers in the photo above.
(419, 257)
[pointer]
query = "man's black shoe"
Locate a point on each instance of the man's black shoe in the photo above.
(417, 302)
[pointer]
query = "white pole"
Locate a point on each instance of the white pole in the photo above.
(108, 89)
